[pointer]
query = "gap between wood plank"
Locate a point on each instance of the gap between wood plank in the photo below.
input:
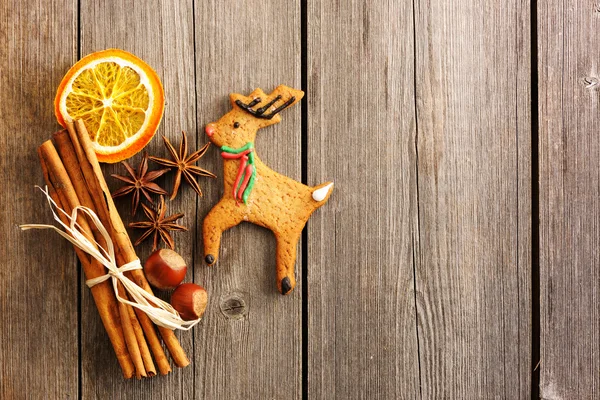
(418, 233)
(79, 276)
(304, 178)
(535, 211)
(197, 200)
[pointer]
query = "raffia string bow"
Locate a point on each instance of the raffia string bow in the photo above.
(159, 311)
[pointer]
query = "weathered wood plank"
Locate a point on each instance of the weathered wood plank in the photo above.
(240, 46)
(362, 339)
(569, 165)
(161, 33)
(38, 277)
(473, 266)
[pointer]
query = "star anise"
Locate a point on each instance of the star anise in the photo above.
(159, 225)
(140, 181)
(184, 164)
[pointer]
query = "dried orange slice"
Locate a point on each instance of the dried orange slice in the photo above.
(118, 96)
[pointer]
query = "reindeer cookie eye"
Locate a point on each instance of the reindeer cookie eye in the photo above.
(236, 125)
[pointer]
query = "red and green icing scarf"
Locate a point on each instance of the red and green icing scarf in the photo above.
(244, 181)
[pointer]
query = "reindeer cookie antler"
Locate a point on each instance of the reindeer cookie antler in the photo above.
(253, 191)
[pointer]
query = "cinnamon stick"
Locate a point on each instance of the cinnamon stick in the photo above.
(139, 334)
(64, 187)
(101, 206)
(66, 193)
(122, 241)
(102, 293)
(133, 333)
(132, 344)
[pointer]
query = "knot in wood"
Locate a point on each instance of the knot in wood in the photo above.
(590, 82)
(233, 306)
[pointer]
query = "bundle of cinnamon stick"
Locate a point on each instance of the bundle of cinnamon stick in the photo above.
(74, 178)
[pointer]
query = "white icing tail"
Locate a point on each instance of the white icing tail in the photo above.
(321, 193)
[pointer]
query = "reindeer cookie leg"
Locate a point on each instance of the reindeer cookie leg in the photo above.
(286, 260)
(223, 216)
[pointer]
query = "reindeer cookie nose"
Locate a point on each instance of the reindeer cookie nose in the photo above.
(210, 130)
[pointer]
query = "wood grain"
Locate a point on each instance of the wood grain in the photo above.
(569, 165)
(161, 34)
(250, 350)
(38, 299)
(419, 267)
(473, 263)
(362, 340)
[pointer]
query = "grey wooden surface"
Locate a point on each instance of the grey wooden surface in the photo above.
(569, 154)
(254, 351)
(362, 335)
(474, 199)
(416, 280)
(161, 34)
(38, 289)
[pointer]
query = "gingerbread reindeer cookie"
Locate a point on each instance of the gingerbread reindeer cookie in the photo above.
(254, 192)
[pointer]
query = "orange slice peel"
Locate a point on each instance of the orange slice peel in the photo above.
(118, 96)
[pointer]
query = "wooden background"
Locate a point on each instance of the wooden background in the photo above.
(457, 258)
